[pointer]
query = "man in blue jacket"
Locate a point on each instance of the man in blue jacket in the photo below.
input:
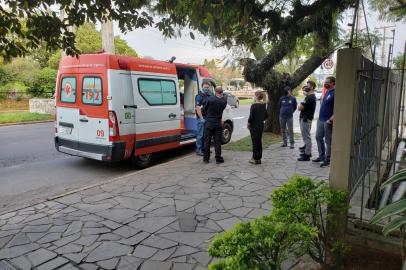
(287, 106)
(326, 117)
(200, 99)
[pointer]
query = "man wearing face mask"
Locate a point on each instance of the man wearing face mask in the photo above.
(200, 99)
(213, 110)
(326, 117)
(307, 108)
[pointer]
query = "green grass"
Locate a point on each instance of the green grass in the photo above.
(246, 101)
(16, 117)
(245, 145)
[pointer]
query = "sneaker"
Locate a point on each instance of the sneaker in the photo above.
(206, 161)
(302, 147)
(252, 161)
(199, 154)
(304, 157)
(292, 146)
(324, 164)
(284, 145)
(258, 161)
(317, 160)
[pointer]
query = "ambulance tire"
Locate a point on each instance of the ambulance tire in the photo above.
(142, 161)
(226, 133)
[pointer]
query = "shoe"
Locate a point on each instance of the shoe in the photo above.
(284, 145)
(304, 157)
(324, 164)
(199, 154)
(219, 161)
(302, 147)
(258, 161)
(252, 161)
(292, 147)
(206, 161)
(317, 160)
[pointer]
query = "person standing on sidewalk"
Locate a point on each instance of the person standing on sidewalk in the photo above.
(307, 108)
(199, 101)
(213, 110)
(287, 106)
(326, 117)
(258, 115)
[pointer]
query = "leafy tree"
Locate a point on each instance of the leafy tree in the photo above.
(250, 24)
(393, 10)
(41, 24)
(44, 83)
(88, 40)
(23, 70)
(398, 61)
(222, 75)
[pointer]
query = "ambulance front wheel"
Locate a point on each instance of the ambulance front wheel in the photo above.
(142, 161)
(226, 133)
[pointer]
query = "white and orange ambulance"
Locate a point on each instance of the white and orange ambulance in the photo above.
(113, 108)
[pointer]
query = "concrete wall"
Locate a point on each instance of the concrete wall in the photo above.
(42, 105)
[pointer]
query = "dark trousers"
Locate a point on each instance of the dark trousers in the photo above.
(212, 130)
(328, 134)
(321, 147)
(256, 138)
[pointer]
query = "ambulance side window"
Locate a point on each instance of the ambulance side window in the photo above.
(158, 92)
(92, 93)
(68, 90)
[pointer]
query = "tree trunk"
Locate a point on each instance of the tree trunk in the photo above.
(272, 123)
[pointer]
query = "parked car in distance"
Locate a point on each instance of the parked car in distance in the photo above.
(232, 100)
(318, 93)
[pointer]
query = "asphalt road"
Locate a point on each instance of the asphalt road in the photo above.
(32, 170)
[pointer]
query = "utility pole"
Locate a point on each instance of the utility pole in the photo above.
(62, 17)
(384, 41)
(108, 36)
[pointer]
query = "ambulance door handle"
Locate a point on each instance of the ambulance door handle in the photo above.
(172, 115)
(83, 120)
(130, 106)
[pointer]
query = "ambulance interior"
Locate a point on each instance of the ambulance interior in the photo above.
(188, 78)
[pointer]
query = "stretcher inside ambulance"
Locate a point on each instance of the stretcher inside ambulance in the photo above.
(113, 108)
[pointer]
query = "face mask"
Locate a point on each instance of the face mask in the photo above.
(305, 93)
(206, 90)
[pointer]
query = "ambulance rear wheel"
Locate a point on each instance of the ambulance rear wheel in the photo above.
(226, 133)
(142, 161)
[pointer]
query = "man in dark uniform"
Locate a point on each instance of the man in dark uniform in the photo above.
(307, 108)
(213, 110)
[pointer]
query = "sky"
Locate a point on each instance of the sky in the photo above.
(149, 42)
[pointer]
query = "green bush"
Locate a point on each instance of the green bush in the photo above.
(44, 84)
(305, 201)
(295, 227)
(14, 89)
(263, 243)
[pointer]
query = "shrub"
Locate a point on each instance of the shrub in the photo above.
(296, 226)
(263, 243)
(13, 89)
(305, 201)
(44, 84)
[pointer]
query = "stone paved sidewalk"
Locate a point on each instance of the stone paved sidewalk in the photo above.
(159, 218)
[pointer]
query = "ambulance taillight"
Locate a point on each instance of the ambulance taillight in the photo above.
(55, 123)
(113, 126)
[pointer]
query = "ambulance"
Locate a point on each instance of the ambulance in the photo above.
(113, 108)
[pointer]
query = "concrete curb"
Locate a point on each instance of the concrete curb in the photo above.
(25, 123)
(94, 185)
